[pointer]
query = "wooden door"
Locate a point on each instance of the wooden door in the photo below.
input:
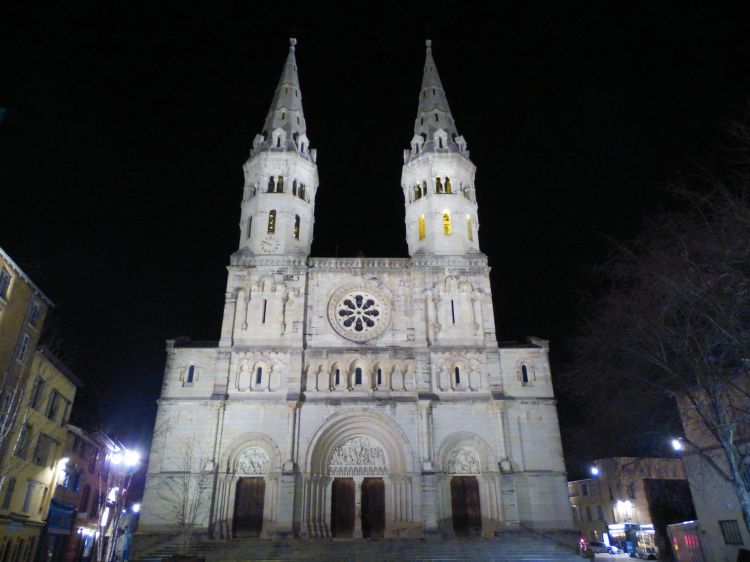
(342, 507)
(248, 507)
(467, 515)
(373, 507)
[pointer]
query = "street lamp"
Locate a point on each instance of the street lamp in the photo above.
(677, 444)
(595, 471)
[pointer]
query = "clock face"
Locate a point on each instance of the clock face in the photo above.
(270, 244)
(359, 313)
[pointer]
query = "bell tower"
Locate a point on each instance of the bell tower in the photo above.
(438, 177)
(281, 177)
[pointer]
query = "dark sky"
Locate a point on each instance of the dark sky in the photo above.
(127, 125)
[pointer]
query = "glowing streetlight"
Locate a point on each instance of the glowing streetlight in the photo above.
(136, 508)
(677, 444)
(595, 470)
(131, 458)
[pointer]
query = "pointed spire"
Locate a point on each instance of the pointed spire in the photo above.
(286, 108)
(433, 112)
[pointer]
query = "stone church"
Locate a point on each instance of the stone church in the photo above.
(357, 397)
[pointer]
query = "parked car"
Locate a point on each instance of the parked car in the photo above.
(598, 547)
(612, 549)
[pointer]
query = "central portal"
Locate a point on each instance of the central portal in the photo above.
(373, 507)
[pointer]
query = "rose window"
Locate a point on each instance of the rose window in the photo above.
(359, 315)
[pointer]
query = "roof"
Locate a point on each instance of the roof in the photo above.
(60, 366)
(25, 277)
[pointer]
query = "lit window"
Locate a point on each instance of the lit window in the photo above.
(438, 185)
(447, 180)
(272, 222)
(469, 229)
(421, 227)
(4, 283)
(296, 227)
(446, 222)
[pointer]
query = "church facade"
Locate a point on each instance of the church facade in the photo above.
(357, 397)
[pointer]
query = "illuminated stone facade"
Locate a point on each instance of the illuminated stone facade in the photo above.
(358, 396)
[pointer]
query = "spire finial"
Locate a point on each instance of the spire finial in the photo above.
(292, 43)
(428, 44)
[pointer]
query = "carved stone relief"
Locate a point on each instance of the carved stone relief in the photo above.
(359, 456)
(253, 461)
(462, 460)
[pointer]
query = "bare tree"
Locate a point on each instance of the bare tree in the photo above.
(675, 322)
(185, 492)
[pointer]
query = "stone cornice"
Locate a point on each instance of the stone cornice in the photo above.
(246, 259)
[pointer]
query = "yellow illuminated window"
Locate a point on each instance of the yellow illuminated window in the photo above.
(272, 222)
(468, 226)
(446, 222)
(296, 227)
(421, 227)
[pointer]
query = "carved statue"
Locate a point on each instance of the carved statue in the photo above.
(253, 461)
(360, 456)
(462, 460)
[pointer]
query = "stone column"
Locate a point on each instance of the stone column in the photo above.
(357, 507)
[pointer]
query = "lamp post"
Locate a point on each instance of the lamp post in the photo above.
(123, 463)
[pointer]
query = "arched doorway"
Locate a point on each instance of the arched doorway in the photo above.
(467, 512)
(343, 497)
(248, 507)
(373, 508)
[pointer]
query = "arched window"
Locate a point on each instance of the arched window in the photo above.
(283, 115)
(278, 141)
(457, 375)
(302, 148)
(271, 185)
(190, 375)
(259, 375)
(417, 192)
(421, 227)
(421, 120)
(524, 375)
(272, 221)
(438, 185)
(469, 229)
(265, 307)
(301, 191)
(433, 91)
(249, 226)
(296, 227)
(436, 117)
(280, 185)
(357, 376)
(446, 222)
(337, 378)
(453, 311)
(440, 142)
(447, 185)
(294, 187)
(380, 377)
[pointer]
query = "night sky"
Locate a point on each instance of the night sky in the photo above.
(127, 124)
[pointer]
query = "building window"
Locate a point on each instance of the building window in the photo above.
(469, 229)
(357, 376)
(271, 185)
(453, 311)
(35, 310)
(421, 227)
(44, 447)
(280, 185)
(4, 284)
(417, 192)
(249, 226)
(438, 185)
(631, 491)
(457, 375)
(296, 227)
(23, 347)
(53, 405)
(380, 377)
(446, 222)
(272, 222)
(599, 513)
(259, 375)
(447, 185)
(731, 531)
(265, 307)
(9, 492)
(524, 375)
(36, 393)
(588, 513)
(30, 485)
(337, 378)
(190, 375)
(22, 444)
(83, 506)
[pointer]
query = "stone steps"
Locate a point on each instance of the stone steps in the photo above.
(523, 548)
